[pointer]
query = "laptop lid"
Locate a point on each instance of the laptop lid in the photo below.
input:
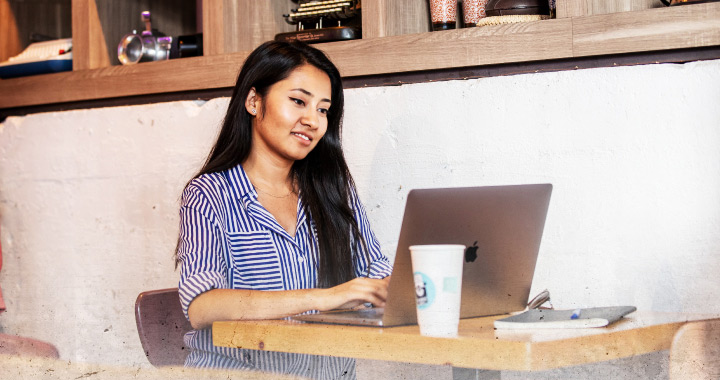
(502, 227)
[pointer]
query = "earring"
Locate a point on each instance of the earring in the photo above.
(253, 111)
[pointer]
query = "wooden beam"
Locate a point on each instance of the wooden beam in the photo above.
(384, 18)
(652, 29)
(10, 45)
(187, 74)
(454, 48)
(89, 48)
(213, 25)
(250, 23)
(570, 8)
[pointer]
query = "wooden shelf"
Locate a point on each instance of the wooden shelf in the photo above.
(656, 29)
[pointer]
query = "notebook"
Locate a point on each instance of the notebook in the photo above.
(565, 319)
(502, 227)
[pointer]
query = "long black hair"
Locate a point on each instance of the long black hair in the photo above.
(323, 178)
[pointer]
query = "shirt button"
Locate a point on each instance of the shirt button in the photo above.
(302, 259)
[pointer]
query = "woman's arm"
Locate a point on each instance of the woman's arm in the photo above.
(234, 304)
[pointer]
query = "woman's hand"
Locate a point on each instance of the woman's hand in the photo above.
(357, 292)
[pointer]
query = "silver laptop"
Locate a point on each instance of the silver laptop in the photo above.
(502, 227)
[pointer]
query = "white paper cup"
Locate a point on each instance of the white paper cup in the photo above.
(437, 270)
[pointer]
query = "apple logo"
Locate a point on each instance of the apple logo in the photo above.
(471, 253)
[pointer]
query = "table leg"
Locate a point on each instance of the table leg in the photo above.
(385, 370)
(474, 374)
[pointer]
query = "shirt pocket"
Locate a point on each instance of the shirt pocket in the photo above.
(254, 261)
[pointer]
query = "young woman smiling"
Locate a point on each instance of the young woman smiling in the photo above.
(272, 225)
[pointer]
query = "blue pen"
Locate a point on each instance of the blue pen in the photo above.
(575, 314)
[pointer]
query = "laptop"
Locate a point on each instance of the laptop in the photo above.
(502, 227)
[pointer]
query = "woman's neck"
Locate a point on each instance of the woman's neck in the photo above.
(269, 176)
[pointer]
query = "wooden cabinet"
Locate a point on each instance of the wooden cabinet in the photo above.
(396, 39)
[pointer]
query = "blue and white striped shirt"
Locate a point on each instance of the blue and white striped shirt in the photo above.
(229, 240)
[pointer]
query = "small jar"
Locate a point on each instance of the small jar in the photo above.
(443, 14)
(473, 11)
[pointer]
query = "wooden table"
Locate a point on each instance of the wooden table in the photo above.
(478, 344)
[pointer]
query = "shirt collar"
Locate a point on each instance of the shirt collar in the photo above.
(244, 191)
(240, 184)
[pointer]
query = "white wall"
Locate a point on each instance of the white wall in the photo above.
(88, 199)
(88, 205)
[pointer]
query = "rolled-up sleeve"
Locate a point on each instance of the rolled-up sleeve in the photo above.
(371, 262)
(202, 264)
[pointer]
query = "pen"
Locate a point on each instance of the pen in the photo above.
(575, 314)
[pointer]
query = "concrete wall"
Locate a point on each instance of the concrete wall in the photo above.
(88, 199)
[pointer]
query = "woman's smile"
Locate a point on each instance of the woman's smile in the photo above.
(305, 139)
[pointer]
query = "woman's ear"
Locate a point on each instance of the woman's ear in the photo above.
(252, 103)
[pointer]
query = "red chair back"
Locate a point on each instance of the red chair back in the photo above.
(2, 301)
(22, 346)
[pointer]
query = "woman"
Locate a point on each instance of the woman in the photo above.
(272, 225)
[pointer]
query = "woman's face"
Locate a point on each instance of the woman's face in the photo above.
(292, 117)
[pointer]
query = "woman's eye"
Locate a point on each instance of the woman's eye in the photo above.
(323, 111)
(297, 101)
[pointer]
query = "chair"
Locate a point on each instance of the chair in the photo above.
(161, 325)
(23, 346)
(2, 301)
(695, 351)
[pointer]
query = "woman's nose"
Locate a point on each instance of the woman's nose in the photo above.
(310, 118)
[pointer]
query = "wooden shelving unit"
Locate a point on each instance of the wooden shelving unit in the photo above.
(394, 41)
